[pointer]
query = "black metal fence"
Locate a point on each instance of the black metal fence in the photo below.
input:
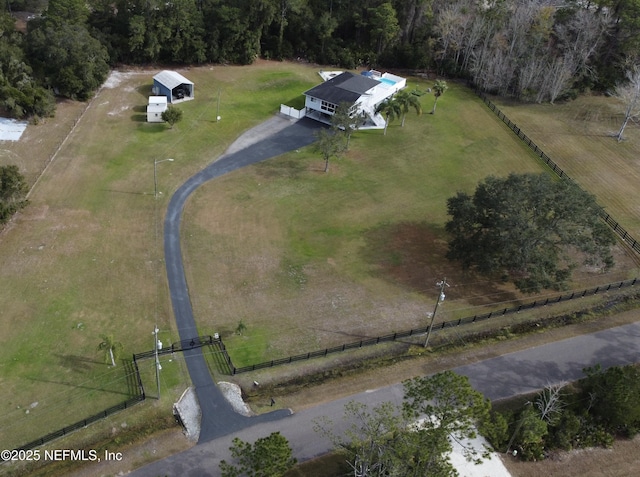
(83, 423)
(615, 226)
(193, 343)
(440, 326)
(184, 345)
(216, 341)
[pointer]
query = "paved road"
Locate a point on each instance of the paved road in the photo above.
(497, 378)
(276, 138)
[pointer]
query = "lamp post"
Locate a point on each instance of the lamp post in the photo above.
(440, 284)
(218, 108)
(155, 174)
(158, 367)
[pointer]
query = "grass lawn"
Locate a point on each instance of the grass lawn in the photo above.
(577, 136)
(85, 257)
(304, 259)
(308, 260)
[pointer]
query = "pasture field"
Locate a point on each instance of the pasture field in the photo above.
(304, 259)
(577, 136)
(85, 257)
(308, 260)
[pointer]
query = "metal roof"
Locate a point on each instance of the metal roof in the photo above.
(346, 87)
(171, 79)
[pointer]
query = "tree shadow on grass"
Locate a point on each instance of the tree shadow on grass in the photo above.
(83, 364)
(145, 89)
(413, 254)
(84, 386)
(281, 168)
(142, 118)
(76, 363)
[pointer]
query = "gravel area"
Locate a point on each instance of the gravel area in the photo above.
(188, 409)
(233, 394)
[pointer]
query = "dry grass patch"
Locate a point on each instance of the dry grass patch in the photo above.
(623, 460)
(307, 260)
(280, 246)
(84, 258)
(40, 142)
(577, 136)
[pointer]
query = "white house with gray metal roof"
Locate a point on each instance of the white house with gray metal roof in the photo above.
(173, 85)
(363, 92)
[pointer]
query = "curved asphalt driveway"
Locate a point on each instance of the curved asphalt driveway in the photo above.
(218, 417)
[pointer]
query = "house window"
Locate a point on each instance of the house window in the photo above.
(313, 100)
(329, 107)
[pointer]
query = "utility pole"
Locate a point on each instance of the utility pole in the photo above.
(440, 284)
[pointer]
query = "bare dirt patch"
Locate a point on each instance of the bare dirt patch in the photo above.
(412, 254)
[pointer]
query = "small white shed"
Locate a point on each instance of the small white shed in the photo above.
(157, 106)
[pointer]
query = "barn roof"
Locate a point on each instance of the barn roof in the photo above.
(346, 87)
(171, 79)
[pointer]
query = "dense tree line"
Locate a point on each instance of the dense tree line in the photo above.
(532, 49)
(591, 412)
(21, 94)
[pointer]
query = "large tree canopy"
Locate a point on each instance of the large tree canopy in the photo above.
(20, 94)
(528, 229)
(68, 58)
(613, 397)
(415, 440)
(267, 457)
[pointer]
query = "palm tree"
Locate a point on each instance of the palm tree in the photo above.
(391, 110)
(407, 101)
(111, 348)
(438, 90)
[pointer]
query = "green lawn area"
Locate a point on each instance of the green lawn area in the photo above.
(308, 260)
(85, 257)
(304, 259)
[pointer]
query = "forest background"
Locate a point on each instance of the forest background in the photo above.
(533, 50)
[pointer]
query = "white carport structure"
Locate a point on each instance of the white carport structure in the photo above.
(174, 86)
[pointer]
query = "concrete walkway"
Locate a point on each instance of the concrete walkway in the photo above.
(270, 139)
